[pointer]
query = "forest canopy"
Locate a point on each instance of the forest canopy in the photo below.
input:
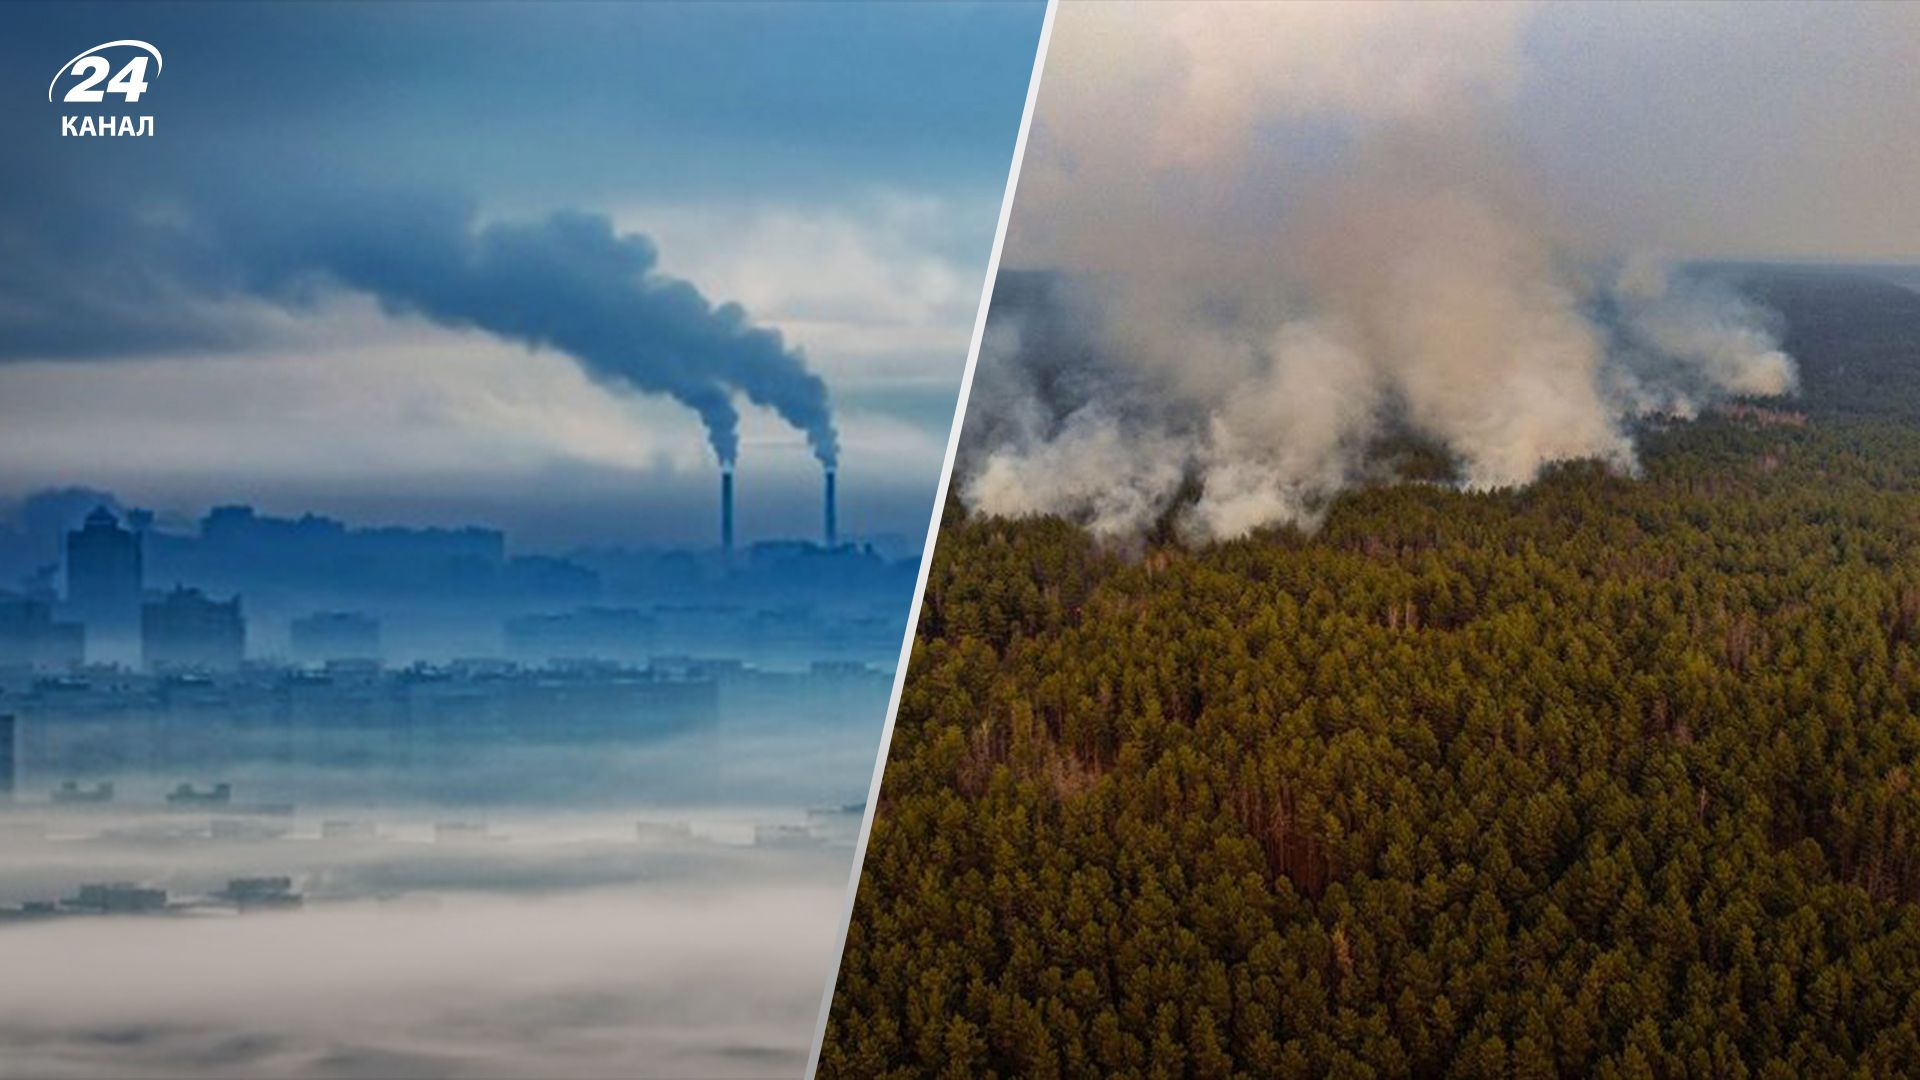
(1608, 775)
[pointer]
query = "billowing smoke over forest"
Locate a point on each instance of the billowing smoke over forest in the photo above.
(1286, 239)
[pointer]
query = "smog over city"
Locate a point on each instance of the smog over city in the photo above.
(462, 483)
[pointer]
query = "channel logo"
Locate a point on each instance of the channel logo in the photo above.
(92, 77)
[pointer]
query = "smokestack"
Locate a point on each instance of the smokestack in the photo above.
(726, 509)
(833, 530)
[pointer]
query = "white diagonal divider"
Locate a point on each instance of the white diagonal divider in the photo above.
(933, 533)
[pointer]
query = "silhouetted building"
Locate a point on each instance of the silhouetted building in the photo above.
(188, 795)
(104, 583)
(118, 898)
(262, 893)
(185, 629)
(70, 793)
(239, 549)
(30, 638)
(336, 635)
(423, 719)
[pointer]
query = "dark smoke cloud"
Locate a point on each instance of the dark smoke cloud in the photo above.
(182, 276)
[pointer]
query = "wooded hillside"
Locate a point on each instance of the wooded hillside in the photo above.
(1610, 776)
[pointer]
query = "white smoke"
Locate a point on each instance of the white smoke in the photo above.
(1687, 340)
(1292, 232)
(1091, 471)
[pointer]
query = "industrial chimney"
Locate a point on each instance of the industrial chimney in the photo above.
(833, 530)
(726, 509)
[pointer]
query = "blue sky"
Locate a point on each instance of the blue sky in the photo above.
(836, 169)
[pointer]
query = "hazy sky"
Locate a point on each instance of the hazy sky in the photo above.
(1784, 130)
(835, 170)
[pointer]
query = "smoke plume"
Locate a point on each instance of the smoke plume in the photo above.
(571, 283)
(193, 275)
(1283, 236)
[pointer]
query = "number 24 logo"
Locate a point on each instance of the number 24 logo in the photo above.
(129, 82)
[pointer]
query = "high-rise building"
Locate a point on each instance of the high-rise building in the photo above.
(30, 638)
(186, 630)
(104, 582)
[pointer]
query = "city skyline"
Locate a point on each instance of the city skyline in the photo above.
(96, 583)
